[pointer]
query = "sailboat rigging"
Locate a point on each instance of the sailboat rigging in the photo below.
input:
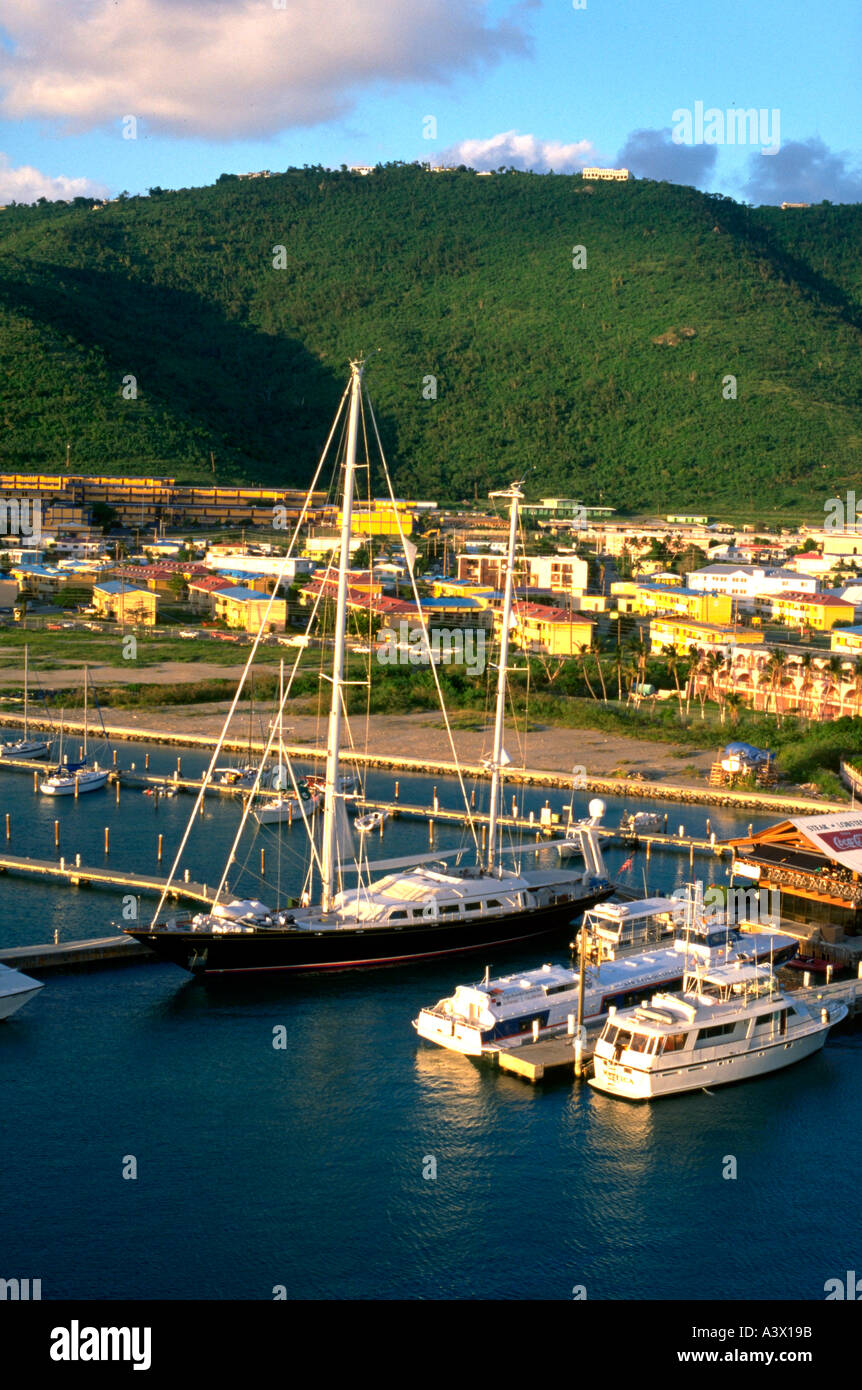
(422, 911)
(26, 747)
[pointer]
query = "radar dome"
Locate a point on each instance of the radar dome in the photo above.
(597, 806)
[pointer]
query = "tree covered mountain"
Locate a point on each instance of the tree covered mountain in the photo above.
(607, 382)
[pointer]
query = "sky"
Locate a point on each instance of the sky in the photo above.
(103, 96)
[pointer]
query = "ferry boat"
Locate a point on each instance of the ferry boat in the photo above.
(15, 990)
(418, 912)
(515, 1009)
(730, 1023)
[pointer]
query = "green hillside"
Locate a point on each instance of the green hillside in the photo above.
(605, 382)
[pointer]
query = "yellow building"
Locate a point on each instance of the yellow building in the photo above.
(550, 631)
(682, 635)
(820, 611)
(685, 603)
(246, 609)
(125, 603)
(380, 518)
(846, 639)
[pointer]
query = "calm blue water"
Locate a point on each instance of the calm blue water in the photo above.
(303, 1167)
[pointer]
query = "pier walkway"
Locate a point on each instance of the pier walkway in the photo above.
(83, 876)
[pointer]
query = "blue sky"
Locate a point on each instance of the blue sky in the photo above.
(235, 85)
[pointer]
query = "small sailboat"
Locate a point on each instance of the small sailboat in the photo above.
(15, 990)
(26, 747)
(73, 779)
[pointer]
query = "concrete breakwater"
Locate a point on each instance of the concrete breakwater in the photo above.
(791, 803)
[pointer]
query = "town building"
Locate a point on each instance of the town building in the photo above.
(249, 610)
(125, 602)
(543, 630)
(563, 574)
(617, 175)
(683, 634)
(818, 611)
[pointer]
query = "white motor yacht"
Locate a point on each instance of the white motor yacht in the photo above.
(513, 1009)
(729, 1023)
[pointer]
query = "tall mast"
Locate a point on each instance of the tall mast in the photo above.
(26, 683)
(86, 684)
(514, 495)
(334, 732)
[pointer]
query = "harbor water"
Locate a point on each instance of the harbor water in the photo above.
(356, 1161)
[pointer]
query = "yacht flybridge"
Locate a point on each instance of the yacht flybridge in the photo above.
(427, 908)
(730, 1023)
(512, 1009)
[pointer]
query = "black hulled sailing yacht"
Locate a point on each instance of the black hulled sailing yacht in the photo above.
(420, 908)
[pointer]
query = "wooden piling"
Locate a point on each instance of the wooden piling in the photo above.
(146, 761)
(56, 834)
(262, 862)
(8, 826)
(159, 851)
(107, 838)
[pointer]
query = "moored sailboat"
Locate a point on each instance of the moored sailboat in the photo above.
(424, 909)
(26, 747)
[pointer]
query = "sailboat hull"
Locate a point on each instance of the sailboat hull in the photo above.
(295, 950)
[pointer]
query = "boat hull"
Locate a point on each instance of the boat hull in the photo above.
(744, 1066)
(295, 950)
(15, 990)
(89, 784)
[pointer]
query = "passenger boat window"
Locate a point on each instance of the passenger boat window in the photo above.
(638, 1043)
(674, 1042)
(446, 909)
(472, 907)
(417, 912)
(493, 902)
(398, 916)
(718, 1030)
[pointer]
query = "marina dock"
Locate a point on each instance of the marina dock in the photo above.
(553, 1058)
(79, 955)
(78, 875)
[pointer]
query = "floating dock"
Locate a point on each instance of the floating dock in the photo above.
(82, 876)
(79, 955)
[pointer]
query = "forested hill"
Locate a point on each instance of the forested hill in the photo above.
(606, 382)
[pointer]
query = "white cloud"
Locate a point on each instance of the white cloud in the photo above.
(25, 184)
(233, 68)
(512, 150)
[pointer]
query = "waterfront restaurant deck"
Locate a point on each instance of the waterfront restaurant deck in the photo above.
(815, 863)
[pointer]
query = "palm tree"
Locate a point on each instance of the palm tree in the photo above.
(672, 657)
(836, 677)
(582, 650)
(807, 674)
(775, 669)
(597, 655)
(734, 703)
